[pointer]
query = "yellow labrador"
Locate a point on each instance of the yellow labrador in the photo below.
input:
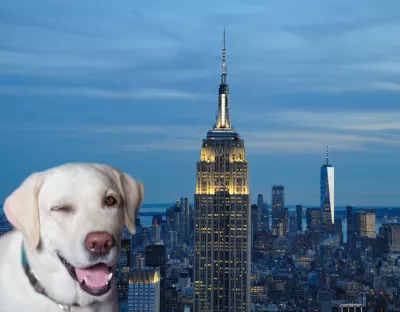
(64, 251)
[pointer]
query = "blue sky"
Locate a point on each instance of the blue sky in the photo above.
(134, 84)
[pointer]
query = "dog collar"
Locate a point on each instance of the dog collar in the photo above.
(35, 282)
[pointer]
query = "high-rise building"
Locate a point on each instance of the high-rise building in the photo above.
(285, 221)
(314, 218)
(338, 226)
(263, 206)
(122, 270)
(350, 223)
(327, 195)
(177, 217)
(349, 217)
(292, 224)
(260, 204)
(156, 257)
(170, 218)
(265, 217)
(394, 237)
(144, 290)
(278, 210)
(254, 215)
(299, 217)
(222, 216)
(365, 223)
(155, 233)
(185, 209)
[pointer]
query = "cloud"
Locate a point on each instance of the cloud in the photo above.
(99, 93)
(288, 46)
(368, 121)
(279, 132)
(164, 145)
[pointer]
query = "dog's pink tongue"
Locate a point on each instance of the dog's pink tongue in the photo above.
(95, 276)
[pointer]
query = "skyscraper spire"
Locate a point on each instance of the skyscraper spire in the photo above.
(327, 154)
(224, 73)
(223, 119)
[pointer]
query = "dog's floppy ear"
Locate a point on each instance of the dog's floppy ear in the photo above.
(133, 195)
(21, 208)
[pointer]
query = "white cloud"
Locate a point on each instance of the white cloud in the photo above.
(281, 132)
(346, 120)
(99, 93)
(313, 46)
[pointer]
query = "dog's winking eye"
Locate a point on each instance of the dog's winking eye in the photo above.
(65, 209)
(110, 201)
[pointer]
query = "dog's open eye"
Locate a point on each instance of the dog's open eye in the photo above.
(110, 201)
(61, 209)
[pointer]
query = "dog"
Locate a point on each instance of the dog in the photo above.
(64, 250)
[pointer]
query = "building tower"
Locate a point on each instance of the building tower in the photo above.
(222, 216)
(185, 216)
(327, 195)
(264, 212)
(278, 211)
(365, 223)
(350, 223)
(156, 257)
(260, 208)
(299, 217)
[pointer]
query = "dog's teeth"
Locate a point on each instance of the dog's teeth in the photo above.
(110, 277)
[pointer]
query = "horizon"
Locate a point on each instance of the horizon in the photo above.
(341, 207)
(135, 87)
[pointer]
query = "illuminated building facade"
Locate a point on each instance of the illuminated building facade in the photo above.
(365, 224)
(122, 271)
(144, 290)
(222, 216)
(279, 213)
(327, 195)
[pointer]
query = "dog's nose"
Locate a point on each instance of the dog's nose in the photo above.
(99, 243)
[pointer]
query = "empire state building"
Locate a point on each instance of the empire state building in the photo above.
(223, 224)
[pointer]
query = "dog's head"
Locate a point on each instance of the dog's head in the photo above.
(72, 217)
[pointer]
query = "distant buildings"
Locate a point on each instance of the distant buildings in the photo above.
(299, 217)
(349, 219)
(327, 195)
(144, 290)
(365, 223)
(122, 271)
(254, 215)
(185, 211)
(314, 219)
(263, 206)
(260, 208)
(156, 257)
(292, 224)
(279, 214)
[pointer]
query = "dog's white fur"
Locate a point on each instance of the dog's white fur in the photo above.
(82, 187)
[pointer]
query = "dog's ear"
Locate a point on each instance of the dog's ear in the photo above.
(21, 208)
(133, 196)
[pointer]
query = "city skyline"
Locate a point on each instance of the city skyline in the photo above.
(302, 75)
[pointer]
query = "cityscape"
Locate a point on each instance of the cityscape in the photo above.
(222, 250)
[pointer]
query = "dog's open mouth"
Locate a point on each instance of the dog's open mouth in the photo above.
(95, 280)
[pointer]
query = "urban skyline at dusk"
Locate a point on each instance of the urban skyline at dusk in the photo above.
(136, 90)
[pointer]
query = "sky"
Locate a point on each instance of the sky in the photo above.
(134, 84)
